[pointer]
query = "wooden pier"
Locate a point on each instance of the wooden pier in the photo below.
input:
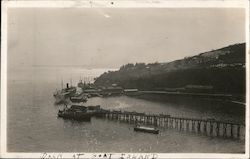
(209, 127)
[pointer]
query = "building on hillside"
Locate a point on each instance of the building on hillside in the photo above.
(112, 91)
(130, 91)
(199, 88)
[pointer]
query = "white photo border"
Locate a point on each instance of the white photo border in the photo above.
(115, 4)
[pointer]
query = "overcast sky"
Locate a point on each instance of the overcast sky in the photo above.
(109, 38)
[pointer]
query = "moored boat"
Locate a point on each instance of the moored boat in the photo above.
(62, 95)
(80, 112)
(75, 112)
(78, 99)
(61, 98)
(146, 129)
(67, 92)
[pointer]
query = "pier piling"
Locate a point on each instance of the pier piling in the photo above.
(206, 127)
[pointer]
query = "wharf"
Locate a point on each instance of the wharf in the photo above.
(209, 127)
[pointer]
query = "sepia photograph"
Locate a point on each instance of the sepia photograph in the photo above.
(124, 80)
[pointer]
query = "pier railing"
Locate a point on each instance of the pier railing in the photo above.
(209, 127)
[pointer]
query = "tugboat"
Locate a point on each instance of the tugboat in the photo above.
(146, 129)
(75, 112)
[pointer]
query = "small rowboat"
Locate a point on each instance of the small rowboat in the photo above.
(146, 129)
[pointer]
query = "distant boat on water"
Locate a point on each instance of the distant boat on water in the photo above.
(146, 129)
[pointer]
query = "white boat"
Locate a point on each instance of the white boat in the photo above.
(146, 129)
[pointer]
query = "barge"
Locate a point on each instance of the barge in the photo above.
(75, 112)
(80, 112)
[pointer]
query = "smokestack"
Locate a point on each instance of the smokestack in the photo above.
(67, 85)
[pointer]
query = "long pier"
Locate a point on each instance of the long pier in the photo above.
(209, 127)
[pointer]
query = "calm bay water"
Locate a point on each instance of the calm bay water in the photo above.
(33, 125)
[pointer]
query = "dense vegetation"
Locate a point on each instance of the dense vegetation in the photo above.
(223, 69)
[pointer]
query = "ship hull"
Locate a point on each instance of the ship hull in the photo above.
(80, 116)
(154, 131)
(78, 100)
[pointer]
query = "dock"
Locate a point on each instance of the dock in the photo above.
(208, 127)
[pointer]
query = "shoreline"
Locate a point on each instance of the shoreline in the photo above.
(216, 96)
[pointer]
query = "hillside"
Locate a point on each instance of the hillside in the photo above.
(222, 69)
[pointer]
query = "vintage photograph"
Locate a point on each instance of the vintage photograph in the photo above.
(126, 80)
